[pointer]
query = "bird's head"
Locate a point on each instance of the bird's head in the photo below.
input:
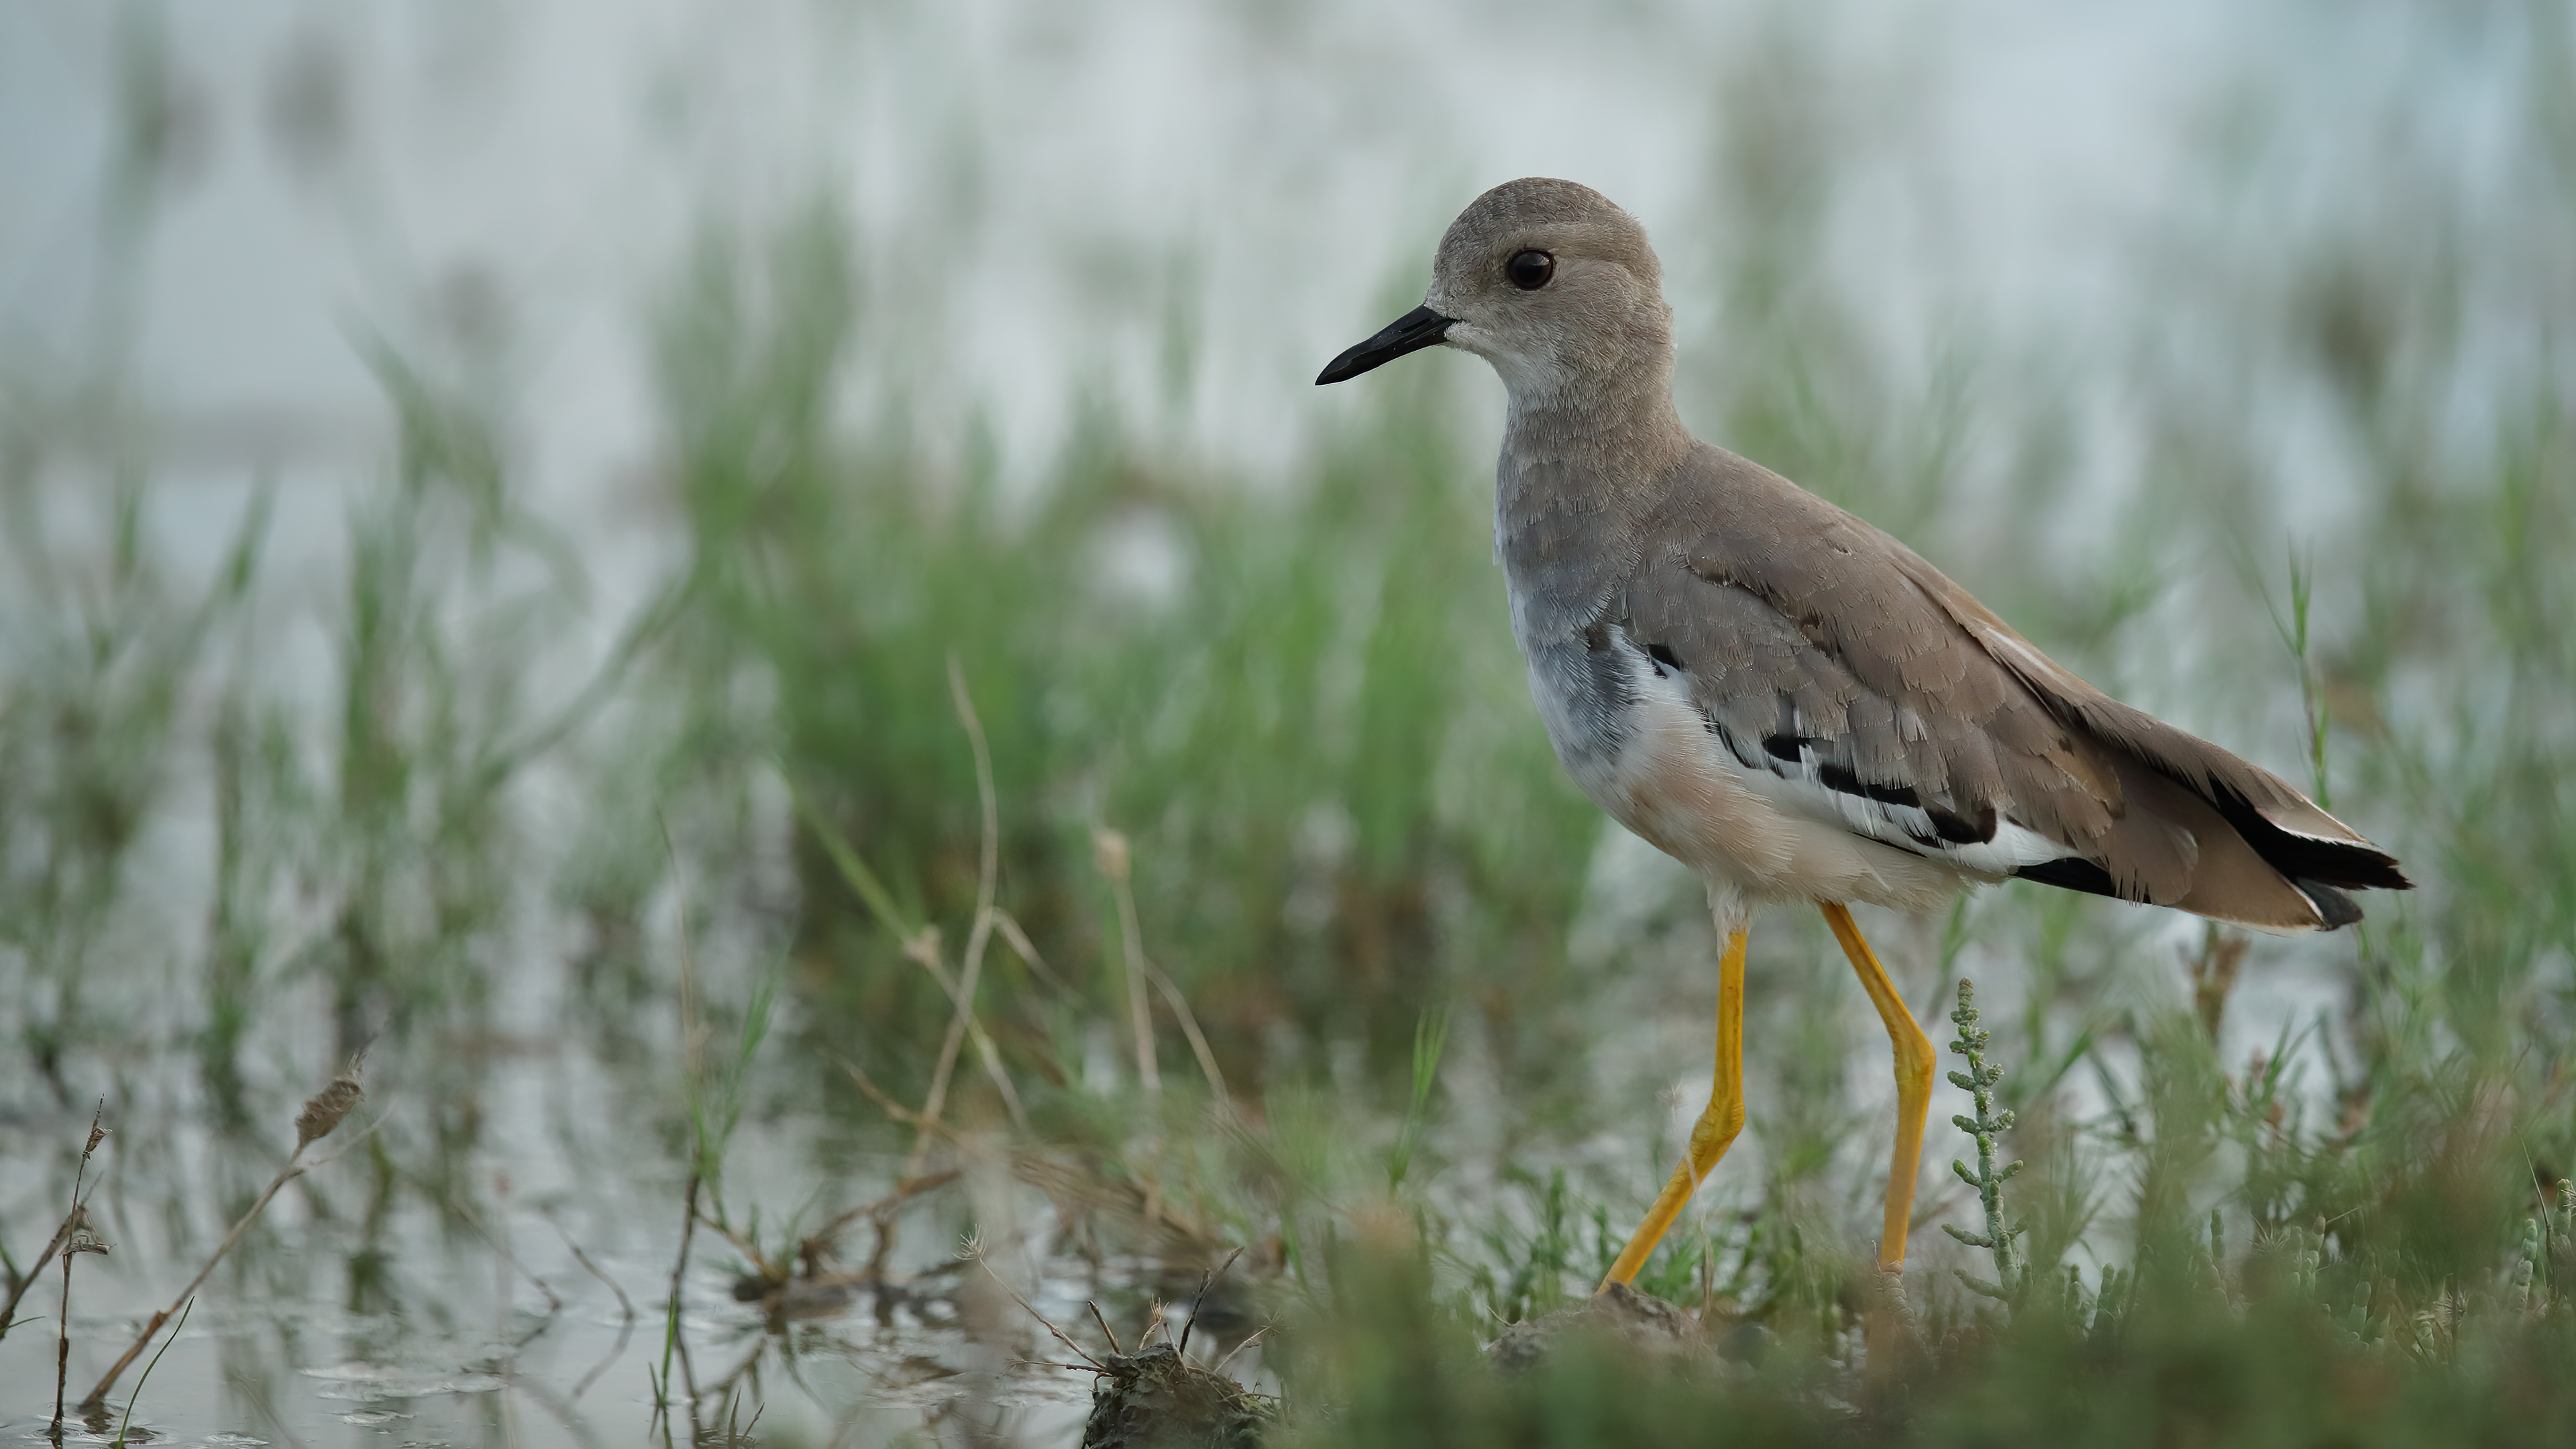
(1549, 281)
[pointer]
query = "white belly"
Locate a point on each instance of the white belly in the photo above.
(1678, 787)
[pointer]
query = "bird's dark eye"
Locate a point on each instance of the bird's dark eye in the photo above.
(1529, 271)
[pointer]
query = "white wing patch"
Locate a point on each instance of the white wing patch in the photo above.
(1797, 778)
(1799, 786)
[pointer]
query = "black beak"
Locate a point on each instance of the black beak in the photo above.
(1412, 332)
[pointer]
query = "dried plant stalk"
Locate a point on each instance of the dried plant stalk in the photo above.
(326, 1108)
(1111, 855)
(322, 1113)
(71, 1223)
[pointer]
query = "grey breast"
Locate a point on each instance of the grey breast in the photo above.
(1569, 548)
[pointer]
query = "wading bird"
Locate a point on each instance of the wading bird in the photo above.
(1790, 701)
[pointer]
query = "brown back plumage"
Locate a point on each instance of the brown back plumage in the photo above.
(1791, 615)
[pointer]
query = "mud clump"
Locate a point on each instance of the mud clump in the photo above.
(1637, 1325)
(1156, 1399)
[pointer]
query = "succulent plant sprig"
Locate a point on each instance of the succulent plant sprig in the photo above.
(1989, 1123)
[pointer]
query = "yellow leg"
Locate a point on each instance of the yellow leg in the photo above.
(1716, 1127)
(1914, 1069)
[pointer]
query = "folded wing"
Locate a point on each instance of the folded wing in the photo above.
(1833, 660)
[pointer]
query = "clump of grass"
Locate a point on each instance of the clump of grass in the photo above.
(1430, 1037)
(713, 1095)
(1320, 730)
(95, 660)
(1536, 1263)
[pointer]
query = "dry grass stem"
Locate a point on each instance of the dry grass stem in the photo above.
(63, 1231)
(322, 1113)
(82, 1240)
(971, 968)
(1018, 940)
(1190, 1028)
(880, 1212)
(892, 1107)
(1079, 1351)
(1249, 1339)
(1105, 1330)
(1110, 853)
(1135, 1197)
(1199, 1300)
(743, 1243)
(925, 953)
(625, 1306)
(920, 944)
(26, 1280)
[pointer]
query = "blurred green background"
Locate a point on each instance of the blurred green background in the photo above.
(620, 559)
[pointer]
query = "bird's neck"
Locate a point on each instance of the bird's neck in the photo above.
(1606, 439)
(1582, 471)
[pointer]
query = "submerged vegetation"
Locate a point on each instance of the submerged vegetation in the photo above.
(948, 898)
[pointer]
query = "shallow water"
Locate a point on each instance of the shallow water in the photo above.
(530, 1305)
